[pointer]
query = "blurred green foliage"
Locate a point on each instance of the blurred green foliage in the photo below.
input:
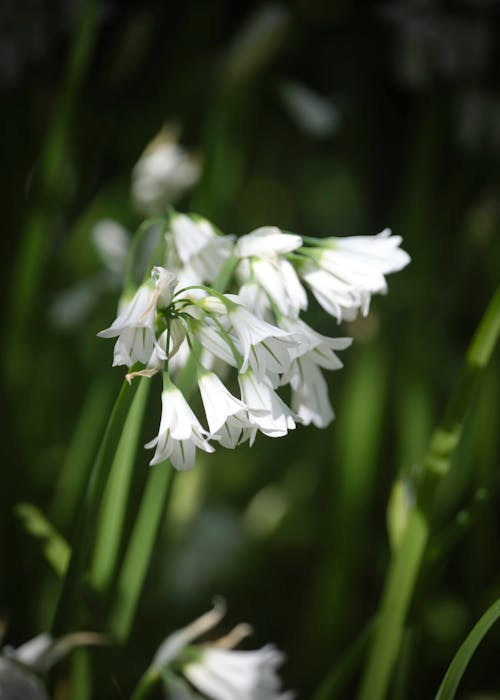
(292, 532)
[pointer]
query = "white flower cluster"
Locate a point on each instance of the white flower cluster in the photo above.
(216, 669)
(256, 333)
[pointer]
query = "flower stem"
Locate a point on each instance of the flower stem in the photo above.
(86, 521)
(407, 559)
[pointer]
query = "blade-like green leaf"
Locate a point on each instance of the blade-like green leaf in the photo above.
(461, 660)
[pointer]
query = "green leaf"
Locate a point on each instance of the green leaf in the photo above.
(55, 548)
(461, 660)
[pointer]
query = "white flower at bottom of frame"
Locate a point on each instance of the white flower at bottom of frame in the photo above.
(134, 325)
(225, 674)
(310, 399)
(180, 431)
(267, 411)
(252, 331)
(317, 347)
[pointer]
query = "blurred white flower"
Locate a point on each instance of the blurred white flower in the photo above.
(223, 674)
(201, 250)
(19, 666)
(180, 431)
(314, 114)
(215, 669)
(343, 273)
(164, 172)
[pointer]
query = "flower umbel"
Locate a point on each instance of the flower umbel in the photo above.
(250, 338)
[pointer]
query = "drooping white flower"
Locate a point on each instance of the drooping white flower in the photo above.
(18, 666)
(269, 413)
(321, 349)
(267, 241)
(344, 273)
(226, 674)
(215, 669)
(310, 398)
(180, 431)
(263, 252)
(259, 339)
(198, 245)
(218, 401)
(135, 324)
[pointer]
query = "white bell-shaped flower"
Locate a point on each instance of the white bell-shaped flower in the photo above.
(216, 669)
(199, 246)
(180, 431)
(251, 331)
(135, 324)
(344, 273)
(218, 402)
(226, 674)
(268, 412)
(263, 254)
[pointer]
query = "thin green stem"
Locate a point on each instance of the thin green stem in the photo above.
(89, 509)
(407, 559)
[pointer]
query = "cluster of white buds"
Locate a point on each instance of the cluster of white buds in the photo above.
(255, 333)
(216, 669)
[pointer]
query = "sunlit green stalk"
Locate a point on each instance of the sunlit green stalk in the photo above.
(407, 559)
(113, 509)
(87, 517)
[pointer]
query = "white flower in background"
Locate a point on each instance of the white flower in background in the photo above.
(263, 261)
(199, 247)
(112, 242)
(344, 273)
(164, 172)
(215, 669)
(180, 431)
(135, 324)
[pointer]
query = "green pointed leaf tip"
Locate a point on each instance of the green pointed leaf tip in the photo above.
(55, 548)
